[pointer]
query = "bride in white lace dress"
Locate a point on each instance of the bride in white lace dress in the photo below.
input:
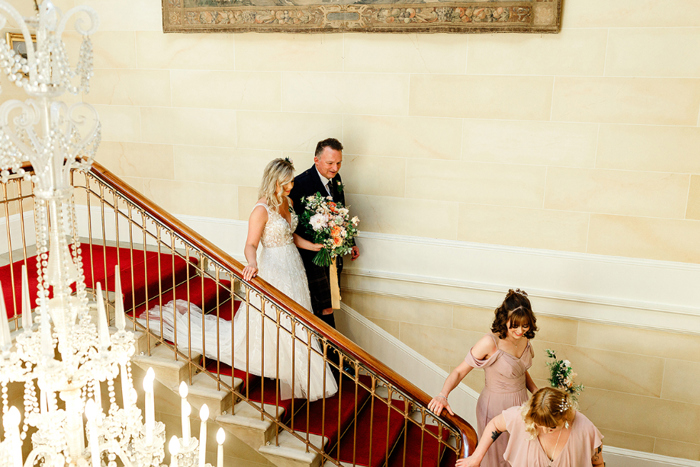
(272, 222)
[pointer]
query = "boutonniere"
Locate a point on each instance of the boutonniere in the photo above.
(341, 187)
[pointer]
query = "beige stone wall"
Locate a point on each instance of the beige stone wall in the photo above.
(641, 385)
(584, 141)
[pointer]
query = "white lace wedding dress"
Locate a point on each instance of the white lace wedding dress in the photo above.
(279, 264)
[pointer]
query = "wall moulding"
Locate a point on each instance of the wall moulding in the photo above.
(329, 16)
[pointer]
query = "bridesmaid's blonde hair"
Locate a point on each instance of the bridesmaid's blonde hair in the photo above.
(548, 407)
(277, 171)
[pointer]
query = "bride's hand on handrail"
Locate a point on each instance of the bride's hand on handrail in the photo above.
(249, 272)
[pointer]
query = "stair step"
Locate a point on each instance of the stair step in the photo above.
(247, 424)
(258, 391)
(328, 426)
(410, 442)
(290, 452)
(99, 262)
(204, 390)
(385, 424)
(169, 371)
(263, 390)
(224, 370)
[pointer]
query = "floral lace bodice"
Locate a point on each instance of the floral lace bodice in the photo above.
(278, 232)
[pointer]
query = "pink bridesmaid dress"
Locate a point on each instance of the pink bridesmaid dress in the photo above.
(505, 388)
(525, 452)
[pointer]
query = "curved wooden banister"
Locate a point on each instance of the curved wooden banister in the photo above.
(282, 301)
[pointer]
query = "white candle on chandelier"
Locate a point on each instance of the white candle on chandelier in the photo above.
(43, 402)
(174, 449)
(26, 302)
(186, 409)
(11, 424)
(97, 389)
(119, 319)
(127, 395)
(102, 324)
(220, 438)
(46, 337)
(150, 409)
(5, 339)
(91, 415)
(203, 416)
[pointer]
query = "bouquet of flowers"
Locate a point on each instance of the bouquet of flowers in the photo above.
(329, 223)
(561, 375)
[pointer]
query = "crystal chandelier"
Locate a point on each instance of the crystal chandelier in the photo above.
(64, 354)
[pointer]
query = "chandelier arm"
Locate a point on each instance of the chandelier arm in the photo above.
(90, 13)
(74, 122)
(30, 115)
(39, 451)
(114, 447)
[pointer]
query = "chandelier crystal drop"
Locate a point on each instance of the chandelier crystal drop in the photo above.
(64, 351)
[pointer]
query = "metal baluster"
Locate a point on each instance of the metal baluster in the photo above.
(131, 262)
(8, 227)
(388, 424)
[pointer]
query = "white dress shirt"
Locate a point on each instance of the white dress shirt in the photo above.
(324, 181)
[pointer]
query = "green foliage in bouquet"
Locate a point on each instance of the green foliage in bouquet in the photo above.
(561, 375)
(329, 223)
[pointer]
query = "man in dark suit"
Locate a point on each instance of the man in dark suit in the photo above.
(323, 178)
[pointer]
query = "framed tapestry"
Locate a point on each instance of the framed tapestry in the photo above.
(328, 16)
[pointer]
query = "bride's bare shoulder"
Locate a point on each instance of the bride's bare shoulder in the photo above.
(259, 211)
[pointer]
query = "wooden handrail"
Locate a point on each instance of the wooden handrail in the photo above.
(281, 300)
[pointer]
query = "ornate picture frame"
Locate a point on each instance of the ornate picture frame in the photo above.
(392, 16)
(17, 43)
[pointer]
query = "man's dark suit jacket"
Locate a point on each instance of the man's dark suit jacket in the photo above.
(306, 184)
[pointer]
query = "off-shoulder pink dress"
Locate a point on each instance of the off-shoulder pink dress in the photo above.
(525, 452)
(505, 388)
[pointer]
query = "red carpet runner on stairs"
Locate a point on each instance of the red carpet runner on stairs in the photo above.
(378, 437)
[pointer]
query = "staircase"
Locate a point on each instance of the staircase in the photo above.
(376, 418)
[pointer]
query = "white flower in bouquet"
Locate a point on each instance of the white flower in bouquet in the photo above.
(318, 221)
(355, 220)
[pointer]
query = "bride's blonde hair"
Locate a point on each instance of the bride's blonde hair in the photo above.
(548, 407)
(277, 171)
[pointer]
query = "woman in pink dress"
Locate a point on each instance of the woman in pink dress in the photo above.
(505, 356)
(545, 432)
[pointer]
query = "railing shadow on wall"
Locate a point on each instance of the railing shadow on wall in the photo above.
(161, 259)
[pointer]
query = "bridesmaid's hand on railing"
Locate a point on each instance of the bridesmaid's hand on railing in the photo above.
(438, 403)
(249, 272)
